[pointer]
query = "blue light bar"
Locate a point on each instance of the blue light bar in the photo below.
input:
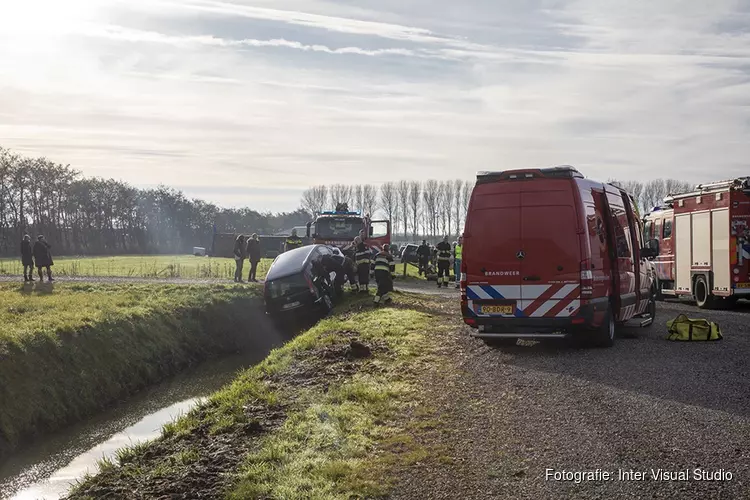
(340, 213)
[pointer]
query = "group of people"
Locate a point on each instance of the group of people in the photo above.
(246, 248)
(444, 255)
(38, 255)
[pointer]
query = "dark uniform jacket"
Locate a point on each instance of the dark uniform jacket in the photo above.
(423, 251)
(444, 251)
(253, 250)
(42, 254)
(27, 254)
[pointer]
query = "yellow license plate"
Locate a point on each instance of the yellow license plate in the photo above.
(743, 285)
(496, 309)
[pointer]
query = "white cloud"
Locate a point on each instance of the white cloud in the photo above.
(197, 93)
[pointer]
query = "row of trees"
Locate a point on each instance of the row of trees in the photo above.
(651, 194)
(435, 208)
(414, 208)
(93, 216)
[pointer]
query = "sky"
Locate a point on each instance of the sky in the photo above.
(249, 102)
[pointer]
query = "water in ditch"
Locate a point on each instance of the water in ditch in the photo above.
(45, 470)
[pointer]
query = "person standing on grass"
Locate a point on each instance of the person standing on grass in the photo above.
(385, 269)
(362, 259)
(458, 250)
(27, 258)
(43, 257)
(253, 253)
(240, 253)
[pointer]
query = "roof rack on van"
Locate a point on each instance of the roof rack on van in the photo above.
(559, 172)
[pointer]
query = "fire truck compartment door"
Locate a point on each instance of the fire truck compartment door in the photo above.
(683, 255)
(720, 249)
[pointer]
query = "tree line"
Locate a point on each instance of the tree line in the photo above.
(414, 208)
(95, 216)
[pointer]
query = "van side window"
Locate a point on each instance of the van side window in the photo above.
(657, 229)
(667, 228)
(647, 230)
(622, 235)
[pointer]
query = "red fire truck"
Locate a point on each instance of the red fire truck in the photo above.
(339, 228)
(703, 241)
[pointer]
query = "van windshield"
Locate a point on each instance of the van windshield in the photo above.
(338, 228)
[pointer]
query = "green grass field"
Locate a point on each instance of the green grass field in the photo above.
(69, 349)
(156, 266)
(142, 266)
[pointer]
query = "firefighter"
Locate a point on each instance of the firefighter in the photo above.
(444, 252)
(350, 268)
(334, 264)
(292, 242)
(385, 268)
(423, 255)
(363, 259)
(457, 254)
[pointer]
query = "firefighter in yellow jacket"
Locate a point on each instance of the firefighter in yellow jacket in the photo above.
(385, 268)
(292, 241)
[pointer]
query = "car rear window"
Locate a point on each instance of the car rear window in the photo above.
(288, 285)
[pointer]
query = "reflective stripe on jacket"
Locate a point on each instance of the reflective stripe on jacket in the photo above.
(384, 262)
(443, 251)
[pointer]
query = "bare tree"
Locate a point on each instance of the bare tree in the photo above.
(314, 199)
(389, 202)
(369, 199)
(465, 198)
(403, 202)
(415, 198)
(449, 199)
(358, 198)
(458, 185)
(340, 193)
(430, 197)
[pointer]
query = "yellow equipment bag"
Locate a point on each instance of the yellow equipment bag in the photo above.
(686, 329)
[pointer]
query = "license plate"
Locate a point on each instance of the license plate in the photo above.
(290, 305)
(743, 285)
(497, 309)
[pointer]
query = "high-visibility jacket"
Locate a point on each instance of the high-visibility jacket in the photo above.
(384, 262)
(443, 251)
(457, 251)
(363, 255)
(291, 243)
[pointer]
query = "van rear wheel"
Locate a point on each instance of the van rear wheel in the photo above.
(604, 336)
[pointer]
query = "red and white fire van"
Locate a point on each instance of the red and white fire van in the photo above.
(550, 254)
(703, 241)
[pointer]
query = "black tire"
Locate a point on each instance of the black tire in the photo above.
(702, 293)
(604, 336)
(656, 292)
(500, 342)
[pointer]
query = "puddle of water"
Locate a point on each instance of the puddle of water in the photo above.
(47, 469)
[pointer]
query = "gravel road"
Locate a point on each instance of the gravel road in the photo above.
(509, 414)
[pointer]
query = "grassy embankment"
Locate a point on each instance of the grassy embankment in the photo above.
(328, 415)
(69, 350)
(142, 266)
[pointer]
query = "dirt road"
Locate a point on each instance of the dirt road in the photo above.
(510, 416)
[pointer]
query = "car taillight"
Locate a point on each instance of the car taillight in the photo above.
(463, 280)
(587, 280)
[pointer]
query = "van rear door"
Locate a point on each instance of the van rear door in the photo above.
(492, 242)
(550, 231)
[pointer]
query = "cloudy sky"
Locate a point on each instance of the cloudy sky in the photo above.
(248, 102)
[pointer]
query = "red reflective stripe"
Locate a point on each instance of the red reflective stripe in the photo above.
(563, 303)
(539, 302)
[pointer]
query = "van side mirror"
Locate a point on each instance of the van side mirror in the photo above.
(308, 228)
(651, 250)
(372, 230)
